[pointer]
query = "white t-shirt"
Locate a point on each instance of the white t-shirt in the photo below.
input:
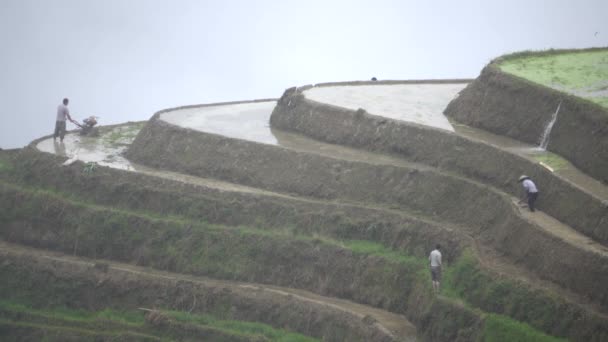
(529, 186)
(435, 258)
(62, 112)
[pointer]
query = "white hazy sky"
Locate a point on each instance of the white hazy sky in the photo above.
(123, 60)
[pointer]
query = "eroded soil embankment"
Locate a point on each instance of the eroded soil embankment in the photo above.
(296, 262)
(486, 213)
(446, 151)
(245, 256)
(164, 146)
(56, 280)
(509, 105)
(263, 210)
(98, 183)
(240, 253)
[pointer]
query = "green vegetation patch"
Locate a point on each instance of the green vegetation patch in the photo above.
(118, 320)
(26, 331)
(582, 73)
(122, 135)
(245, 328)
(66, 314)
(514, 301)
(5, 163)
(499, 328)
(555, 161)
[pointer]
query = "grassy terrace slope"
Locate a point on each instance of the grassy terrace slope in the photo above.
(581, 73)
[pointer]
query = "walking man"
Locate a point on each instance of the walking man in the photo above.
(435, 261)
(531, 191)
(63, 114)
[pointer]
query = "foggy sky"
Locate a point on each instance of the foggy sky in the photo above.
(123, 60)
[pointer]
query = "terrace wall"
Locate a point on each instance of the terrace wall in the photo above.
(510, 105)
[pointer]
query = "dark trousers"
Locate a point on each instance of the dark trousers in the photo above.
(59, 130)
(532, 196)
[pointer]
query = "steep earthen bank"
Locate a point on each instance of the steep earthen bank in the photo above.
(164, 146)
(223, 254)
(480, 209)
(301, 264)
(130, 185)
(59, 281)
(138, 192)
(241, 254)
(509, 105)
(447, 151)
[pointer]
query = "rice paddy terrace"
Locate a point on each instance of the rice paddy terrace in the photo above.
(310, 218)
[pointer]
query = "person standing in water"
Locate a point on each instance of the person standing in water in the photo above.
(63, 114)
(435, 263)
(531, 191)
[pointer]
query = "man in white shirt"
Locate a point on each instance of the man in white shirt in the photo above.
(63, 114)
(531, 191)
(435, 261)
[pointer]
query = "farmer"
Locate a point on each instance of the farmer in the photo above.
(62, 114)
(531, 190)
(435, 263)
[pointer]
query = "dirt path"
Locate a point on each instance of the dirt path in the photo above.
(393, 324)
(562, 231)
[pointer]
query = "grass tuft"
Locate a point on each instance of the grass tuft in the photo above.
(553, 160)
(499, 328)
(240, 327)
(122, 135)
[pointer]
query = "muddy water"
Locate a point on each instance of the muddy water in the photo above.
(248, 121)
(107, 149)
(101, 150)
(422, 103)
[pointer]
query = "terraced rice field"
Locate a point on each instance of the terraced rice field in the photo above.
(315, 228)
(583, 73)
